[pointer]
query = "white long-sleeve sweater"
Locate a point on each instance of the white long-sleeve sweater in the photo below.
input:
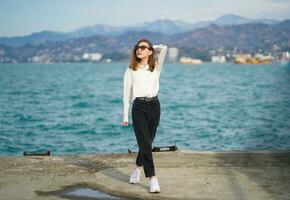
(143, 82)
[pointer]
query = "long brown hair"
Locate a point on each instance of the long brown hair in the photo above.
(135, 60)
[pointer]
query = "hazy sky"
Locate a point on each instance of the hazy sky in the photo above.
(22, 17)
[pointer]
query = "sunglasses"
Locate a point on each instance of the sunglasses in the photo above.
(142, 47)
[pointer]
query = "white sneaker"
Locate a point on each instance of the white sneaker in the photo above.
(135, 176)
(154, 186)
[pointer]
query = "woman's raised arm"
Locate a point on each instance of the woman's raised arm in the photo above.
(161, 51)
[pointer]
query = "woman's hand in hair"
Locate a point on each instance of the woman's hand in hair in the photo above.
(125, 123)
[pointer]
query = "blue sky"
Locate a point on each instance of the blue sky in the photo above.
(22, 17)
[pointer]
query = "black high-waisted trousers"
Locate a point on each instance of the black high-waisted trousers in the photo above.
(145, 118)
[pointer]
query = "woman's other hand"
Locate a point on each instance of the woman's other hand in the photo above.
(125, 123)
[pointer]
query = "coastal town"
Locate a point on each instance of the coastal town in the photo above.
(173, 56)
(233, 57)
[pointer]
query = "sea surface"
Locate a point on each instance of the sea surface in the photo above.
(78, 109)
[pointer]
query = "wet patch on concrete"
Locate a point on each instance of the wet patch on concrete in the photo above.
(81, 192)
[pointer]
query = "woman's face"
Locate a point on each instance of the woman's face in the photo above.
(143, 50)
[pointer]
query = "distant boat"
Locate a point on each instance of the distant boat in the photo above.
(247, 59)
(188, 60)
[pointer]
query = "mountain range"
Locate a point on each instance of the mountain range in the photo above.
(255, 37)
(165, 26)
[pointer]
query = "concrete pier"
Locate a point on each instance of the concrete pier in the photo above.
(181, 174)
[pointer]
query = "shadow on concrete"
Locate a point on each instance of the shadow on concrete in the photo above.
(70, 192)
(96, 166)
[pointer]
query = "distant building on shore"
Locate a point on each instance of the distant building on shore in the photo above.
(173, 54)
(92, 56)
(286, 55)
(218, 59)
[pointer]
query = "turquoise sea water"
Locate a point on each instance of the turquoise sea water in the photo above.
(77, 108)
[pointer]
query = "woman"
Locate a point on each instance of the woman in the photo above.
(141, 85)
